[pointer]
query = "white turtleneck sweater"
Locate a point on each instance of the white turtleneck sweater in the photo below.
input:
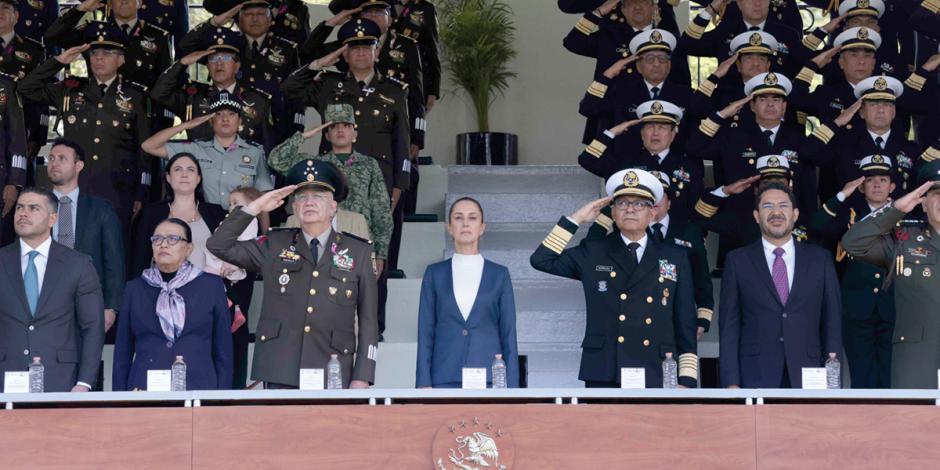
(467, 271)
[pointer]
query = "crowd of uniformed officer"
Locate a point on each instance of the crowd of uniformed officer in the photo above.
(844, 113)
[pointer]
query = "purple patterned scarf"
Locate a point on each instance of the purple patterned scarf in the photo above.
(171, 308)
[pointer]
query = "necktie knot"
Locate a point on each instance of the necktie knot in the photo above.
(126, 28)
(103, 87)
(654, 92)
(633, 246)
(754, 28)
(65, 200)
(658, 232)
(32, 255)
(879, 141)
(778, 252)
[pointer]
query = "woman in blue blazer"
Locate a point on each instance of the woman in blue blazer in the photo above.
(174, 309)
(467, 313)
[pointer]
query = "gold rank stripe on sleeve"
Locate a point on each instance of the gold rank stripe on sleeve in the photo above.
(915, 82)
(688, 365)
(806, 74)
(597, 89)
(709, 127)
(596, 148)
(586, 26)
(695, 30)
(557, 239)
(705, 209)
(932, 5)
(930, 154)
(707, 88)
(811, 41)
(828, 211)
(823, 133)
(705, 313)
(604, 221)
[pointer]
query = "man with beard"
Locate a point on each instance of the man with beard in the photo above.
(780, 306)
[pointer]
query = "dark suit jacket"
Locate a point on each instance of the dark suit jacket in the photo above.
(67, 331)
(205, 342)
(148, 219)
(447, 343)
(758, 333)
(98, 234)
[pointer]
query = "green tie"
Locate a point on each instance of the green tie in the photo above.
(31, 282)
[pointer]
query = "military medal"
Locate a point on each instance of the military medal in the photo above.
(907, 272)
(602, 286)
(342, 260)
(247, 159)
(927, 272)
(348, 294)
(332, 290)
(71, 119)
(283, 279)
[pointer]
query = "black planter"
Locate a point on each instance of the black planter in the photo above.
(487, 148)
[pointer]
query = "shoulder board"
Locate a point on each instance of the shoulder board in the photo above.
(356, 237)
(283, 229)
(153, 26)
(28, 40)
(403, 85)
(139, 86)
(910, 223)
(405, 36)
(259, 91)
(386, 99)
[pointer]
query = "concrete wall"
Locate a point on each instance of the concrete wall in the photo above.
(542, 104)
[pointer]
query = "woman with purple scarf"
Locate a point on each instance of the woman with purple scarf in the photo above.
(174, 309)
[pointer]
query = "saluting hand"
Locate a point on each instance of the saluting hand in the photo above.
(932, 63)
(847, 114)
(270, 200)
(851, 186)
(618, 66)
(198, 121)
(316, 130)
(329, 60)
(823, 59)
(740, 185)
(90, 5)
(342, 17)
(725, 66)
(607, 7)
(9, 199)
(193, 57)
(222, 19)
(912, 199)
(71, 54)
(734, 107)
(590, 211)
(623, 126)
(833, 24)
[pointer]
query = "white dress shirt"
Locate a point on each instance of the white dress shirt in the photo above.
(773, 130)
(74, 197)
(40, 260)
(467, 271)
(789, 257)
(884, 138)
(662, 155)
(665, 223)
(640, 249)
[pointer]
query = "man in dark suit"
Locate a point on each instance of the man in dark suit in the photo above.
(647, 284)
(780, 306)
(87, 224)
(57, 317)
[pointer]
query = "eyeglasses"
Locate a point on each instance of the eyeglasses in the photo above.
(652, 59)
(171, 240)
(104, 52)
(769, 206)
(624, 204)
(316, 197)
(221, 58)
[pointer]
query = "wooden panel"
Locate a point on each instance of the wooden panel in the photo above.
(847, 436)
(139, 438)
(542, 436)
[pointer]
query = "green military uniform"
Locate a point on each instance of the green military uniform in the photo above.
(109, 121)
(367, 194)
(381, 108)
(310, 306)
(911, 254)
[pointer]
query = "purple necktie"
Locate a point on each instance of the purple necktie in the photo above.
(780, 276)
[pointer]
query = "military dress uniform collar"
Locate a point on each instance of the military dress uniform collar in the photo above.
(260, 40)
(884, 136)
(323, 238)
(643, 241)
(373, 77)
(760, 26)
(230, 88)
(132, 25)
(238, 143)
(8, 38)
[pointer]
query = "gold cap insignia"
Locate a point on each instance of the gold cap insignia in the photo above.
(756, 40)
(862, 33)
(770, 79)
(219, 41)
(862, 4)
(309, 162)
(773, 162)
(877, 159)
(881, 84)
(631, 179)
(656, 108)
(656, 37)
(311, 177)
(100, 38)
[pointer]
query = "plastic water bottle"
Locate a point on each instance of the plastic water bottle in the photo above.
(833, 373)
(670, 372)
(334, 373)
(499, 372)
(178, 375)
(37, 374)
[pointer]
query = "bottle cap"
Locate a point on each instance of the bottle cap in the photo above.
(499, 356)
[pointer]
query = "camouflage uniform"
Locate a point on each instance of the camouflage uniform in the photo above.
(367, 194)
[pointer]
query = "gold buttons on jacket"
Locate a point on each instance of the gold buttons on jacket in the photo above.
(97, 140)
(313, 292)
(263, 338)
(649, 321)
(875, 290)
(623, 296)
(94, 157)
(620, 339)
(649, 300)
(306, 329)
(623, 317)
(316, 274)
(646, 342)
(613, 274)
(309, 309)
(877, 275)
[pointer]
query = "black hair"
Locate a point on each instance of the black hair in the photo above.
(450, 212)
(79, 151)
(51, 200)
(166, 184)
(773, 185)
(186, 230)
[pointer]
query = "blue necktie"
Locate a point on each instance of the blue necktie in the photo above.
(31, 282)
(313, 250)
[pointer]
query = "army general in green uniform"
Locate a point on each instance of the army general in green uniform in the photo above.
(317, 282)
(912, 255)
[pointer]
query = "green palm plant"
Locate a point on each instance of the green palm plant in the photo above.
(478, 44)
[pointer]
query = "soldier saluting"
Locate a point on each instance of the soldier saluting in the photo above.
(316, 282)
